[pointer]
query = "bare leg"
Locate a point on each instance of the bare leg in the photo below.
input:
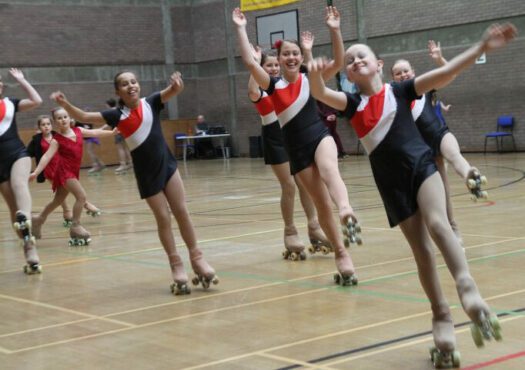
(449, 148)
(431, 201)
(19, 183)
(79, 235)
(175, 195)
(442, 168)
(309, 178)
(292, 242)
(416, 234)
(38, 221)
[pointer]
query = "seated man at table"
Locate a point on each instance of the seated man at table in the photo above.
(203, 147)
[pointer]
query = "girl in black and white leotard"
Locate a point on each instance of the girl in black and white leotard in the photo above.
(275, 156)
(312, 151)
(15, 165)
(404, 169)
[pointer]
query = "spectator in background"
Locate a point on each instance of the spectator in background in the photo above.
(203, 147)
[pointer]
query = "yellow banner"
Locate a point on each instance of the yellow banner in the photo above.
(247, 5)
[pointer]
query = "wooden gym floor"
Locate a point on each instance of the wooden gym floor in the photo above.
(108, 306)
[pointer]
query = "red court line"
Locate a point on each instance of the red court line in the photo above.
(494, 361)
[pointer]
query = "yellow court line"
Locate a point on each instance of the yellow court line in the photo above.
(335, 334)
(65, 310)
(44, 328)
(152, 323)
(407, 344)
(295, 362)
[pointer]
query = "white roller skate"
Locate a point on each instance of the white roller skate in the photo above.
(484, 325)
(78, 235)
(474, 182)
(91, 210)
(319, 242)
(352, 232)
(444, 354)
(205, 274)
(180, 279)
(294, 247)
(23, 226)
(345, 267)
(96, 169)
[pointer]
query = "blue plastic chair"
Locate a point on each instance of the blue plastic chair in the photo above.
(504, 127)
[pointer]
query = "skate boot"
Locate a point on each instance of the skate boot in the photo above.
(319, 242)
(96, 169)
(91, 210)
(32, 265)
(294, 246)
(474, 182)
(78, 235)
(122, 168)
(484, 326)
(36, 226)
(180, 279)
(352, 232)
(205, 274)
(68, 219)
(346, 275)
(444, 355)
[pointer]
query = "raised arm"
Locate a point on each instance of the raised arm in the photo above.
(307, 43)
(333, 21)
(434, 50)
(174, 88)
(259, 74)
(76, 113)
(496, 36)
(33, 100)
(318, 89)
(254, 93)
(44, 161)
(98, 132)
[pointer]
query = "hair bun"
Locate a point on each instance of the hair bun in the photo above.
(277, 44)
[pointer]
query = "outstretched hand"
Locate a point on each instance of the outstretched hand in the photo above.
(317, 65)
(332, 18)
(498, 35)
(58, 97)
(434, 50)
(176, 82)
(239, 18)
(17, 74)
(307, 40)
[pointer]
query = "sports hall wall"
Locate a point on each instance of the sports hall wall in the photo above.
(77, 46)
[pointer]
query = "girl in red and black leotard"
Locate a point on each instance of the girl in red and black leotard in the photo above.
(67, 143)
(311, 149)
(406, 175)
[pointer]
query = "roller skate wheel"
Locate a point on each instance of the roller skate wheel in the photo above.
(484, 195)
(456, 359)
(16, 225)
(357, 228)
(496, 328)
(483, 180)
(337, 278)
(325, 249)
(294, 256)
(195, 281)
(302, 256)
(311, 249)
(471, 183)
(215, 280)
(477, 336)
(286, 253)
(71, 243)
(179, 289)
(347, 243)
(205, 284)
(358, 240)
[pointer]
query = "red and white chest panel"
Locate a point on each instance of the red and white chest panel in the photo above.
(289, 98)
(266, 109)
(417, 107)
(135, 124)
(374, 117)
(7, 113)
